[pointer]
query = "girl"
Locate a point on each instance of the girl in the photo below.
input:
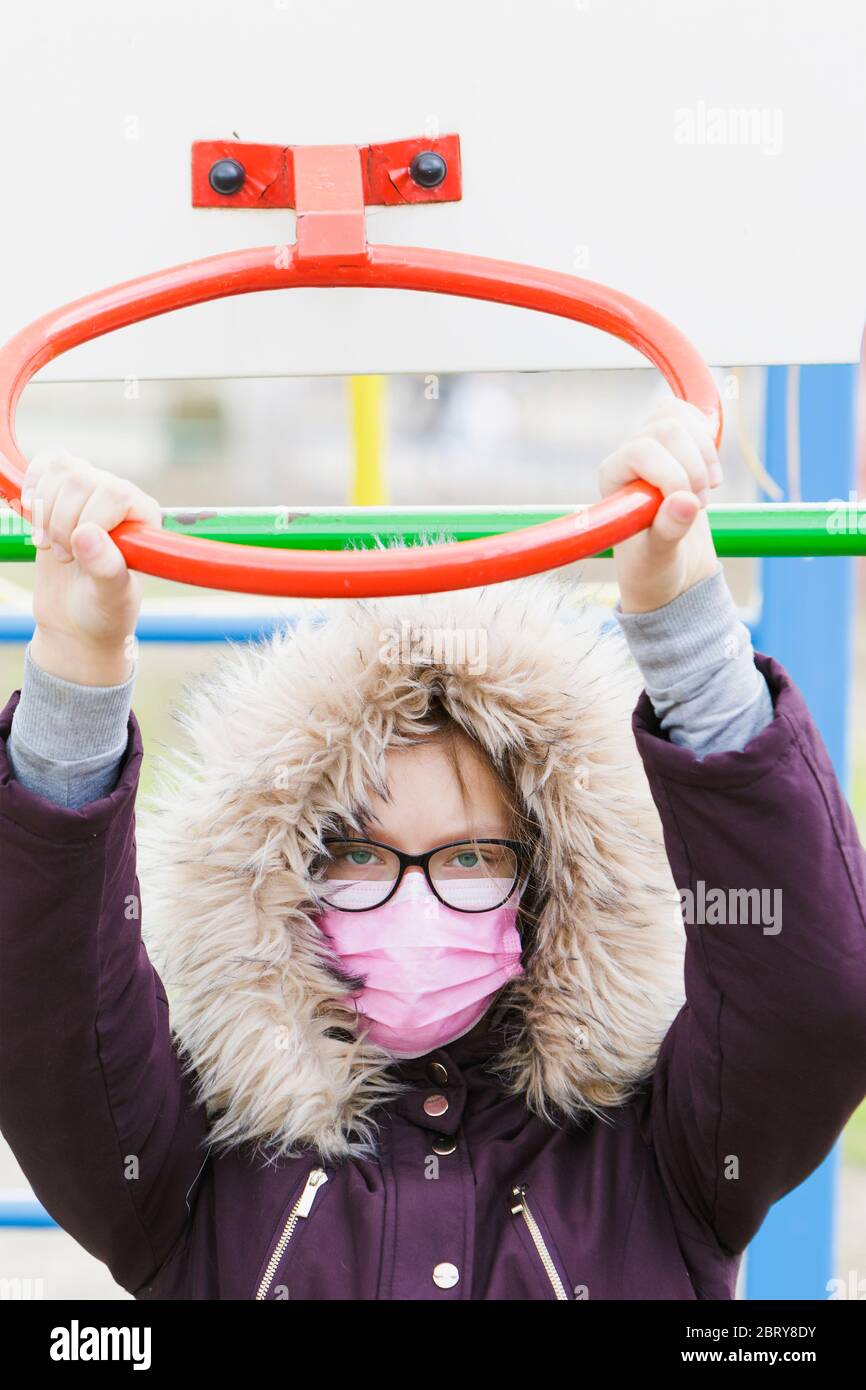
(420, 937)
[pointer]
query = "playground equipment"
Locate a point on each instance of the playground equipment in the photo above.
(550, 165)
(330, 187)
(327, 186)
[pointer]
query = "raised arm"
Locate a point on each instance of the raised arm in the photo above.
(93, 1101)
(767, 1058)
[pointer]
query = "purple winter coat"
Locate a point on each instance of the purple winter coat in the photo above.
(760, 1069)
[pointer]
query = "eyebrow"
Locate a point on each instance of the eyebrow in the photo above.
(449, 837)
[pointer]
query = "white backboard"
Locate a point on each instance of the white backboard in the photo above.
(705, 156)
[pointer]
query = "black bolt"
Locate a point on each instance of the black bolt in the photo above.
(428, 169)
(226, 176)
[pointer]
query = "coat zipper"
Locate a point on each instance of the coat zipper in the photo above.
(302, 1208)
(520, 1207)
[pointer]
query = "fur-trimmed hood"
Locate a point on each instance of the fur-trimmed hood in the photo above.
(289, 735)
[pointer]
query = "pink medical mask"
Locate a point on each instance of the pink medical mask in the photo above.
(430, 971)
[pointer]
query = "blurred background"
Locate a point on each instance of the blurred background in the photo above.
(505, 437)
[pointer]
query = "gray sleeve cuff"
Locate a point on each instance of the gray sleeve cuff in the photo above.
(67, 740)
(697, 663)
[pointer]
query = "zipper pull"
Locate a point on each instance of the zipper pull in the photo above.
(317, 1178)
(518, 1192)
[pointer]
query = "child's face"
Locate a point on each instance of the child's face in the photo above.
(416, 1002)
(428, 807)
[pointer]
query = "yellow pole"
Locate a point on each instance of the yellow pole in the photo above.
(366, 396)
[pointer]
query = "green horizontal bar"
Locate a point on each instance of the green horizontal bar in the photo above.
(773, 528)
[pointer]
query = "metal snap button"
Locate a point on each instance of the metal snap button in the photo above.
(438, 1074)
(444, 1144)
(435, 1105)
(445, 1276)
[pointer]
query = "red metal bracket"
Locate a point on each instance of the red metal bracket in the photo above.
(328, 185)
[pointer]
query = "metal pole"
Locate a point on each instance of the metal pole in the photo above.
(806, 622)
(366, 397)
(834, 527)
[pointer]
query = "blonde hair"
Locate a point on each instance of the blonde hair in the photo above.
(522, 826)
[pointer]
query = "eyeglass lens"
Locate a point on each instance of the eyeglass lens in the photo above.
(471, 877)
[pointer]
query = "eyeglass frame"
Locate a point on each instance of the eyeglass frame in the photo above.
(422, 861)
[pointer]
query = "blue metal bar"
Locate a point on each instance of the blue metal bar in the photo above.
(20, 1209)
(807, 623)
(170, 627)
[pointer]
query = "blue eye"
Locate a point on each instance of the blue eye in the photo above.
(360, 857)
(467, 859)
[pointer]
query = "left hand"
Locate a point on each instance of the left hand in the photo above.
(673, 450)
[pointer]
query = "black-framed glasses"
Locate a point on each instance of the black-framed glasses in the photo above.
(467, 875)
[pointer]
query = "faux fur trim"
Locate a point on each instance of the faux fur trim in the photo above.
(291, 733)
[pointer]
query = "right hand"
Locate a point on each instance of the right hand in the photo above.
(675, 451)
(85, 600)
